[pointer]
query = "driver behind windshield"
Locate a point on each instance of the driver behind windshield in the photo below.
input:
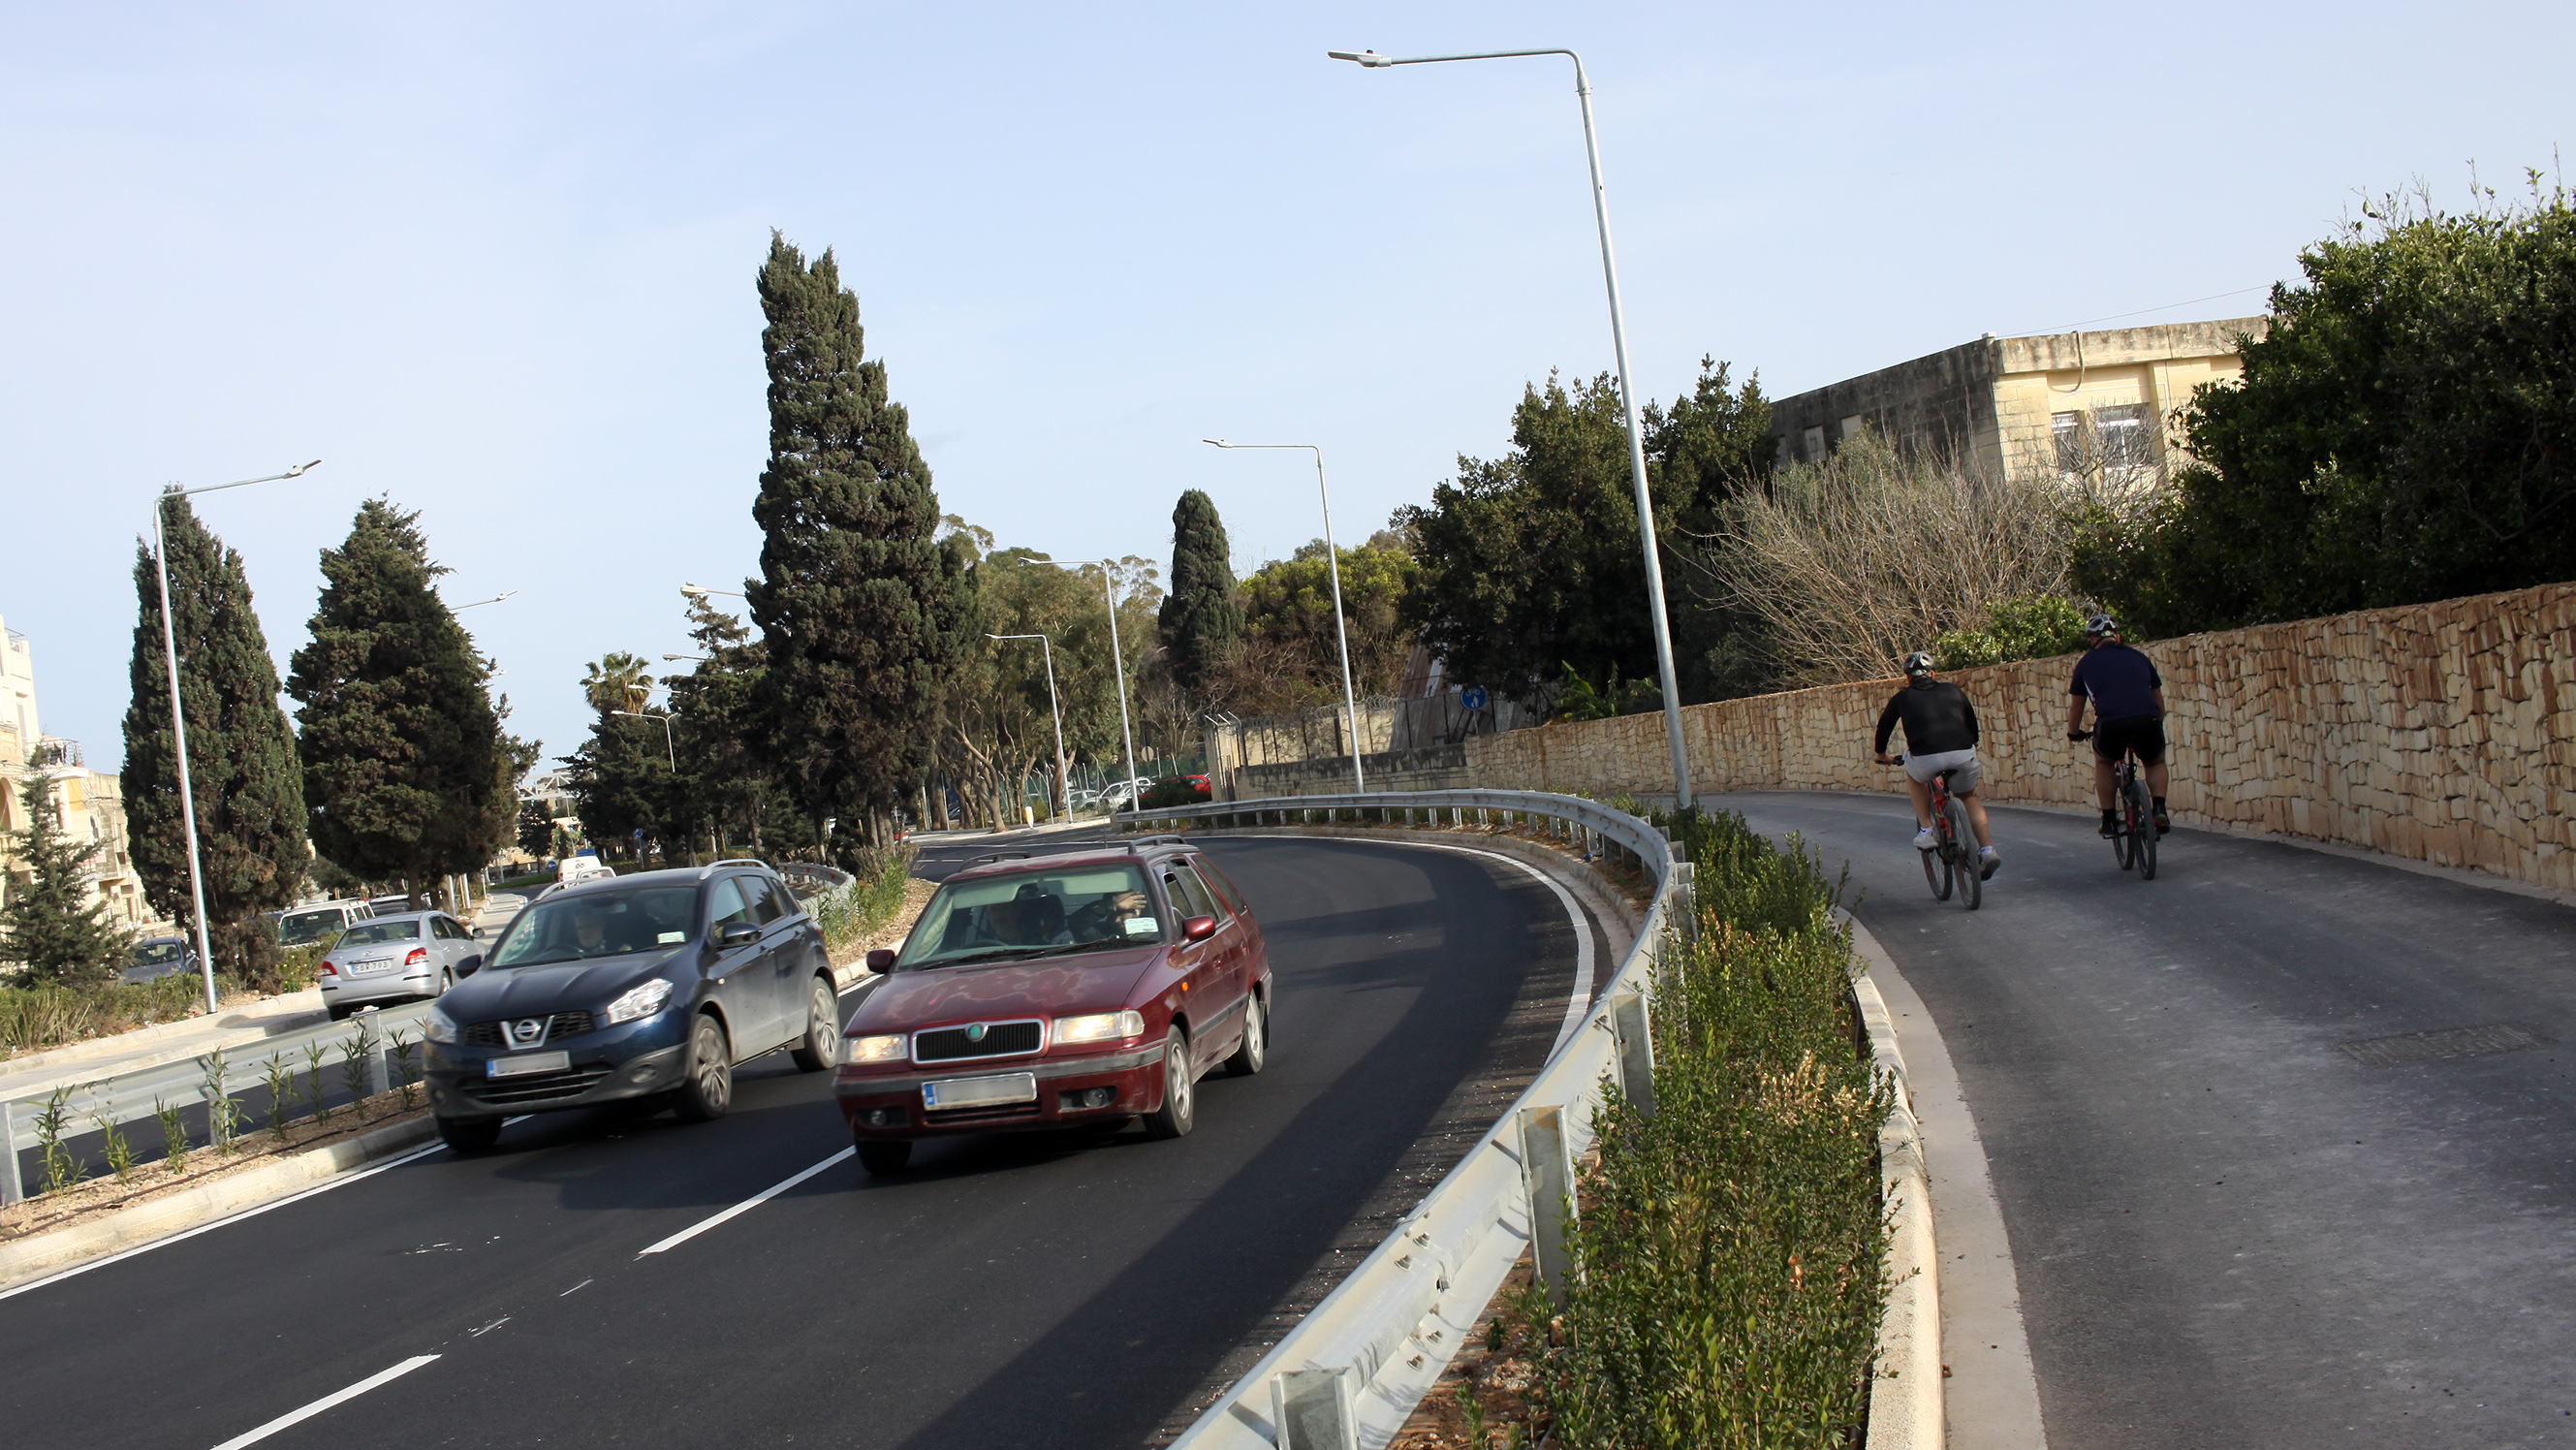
(1032, 917)
(590, 934)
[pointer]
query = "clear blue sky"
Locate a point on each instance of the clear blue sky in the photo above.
(496, 261)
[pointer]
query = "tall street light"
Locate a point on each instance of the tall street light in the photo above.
(666, 737)
(700, 591)
(1117, 659)
(479, 603)
(179, 716)
(1064, 789)
(1627, 392)
(1332, 567)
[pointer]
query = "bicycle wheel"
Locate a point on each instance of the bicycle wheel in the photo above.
(2120, 843)
(1935, 874)
(1972, 886)
(2142, 830)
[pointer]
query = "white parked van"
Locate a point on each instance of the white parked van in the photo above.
(581, 868)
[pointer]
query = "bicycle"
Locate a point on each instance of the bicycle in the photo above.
(2134, 843)
(1952, 863)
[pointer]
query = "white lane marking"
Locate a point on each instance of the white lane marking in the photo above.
(748, 1204)
(326, 1186)
(296, 1417)
(577, 1288)
(1578, 1001)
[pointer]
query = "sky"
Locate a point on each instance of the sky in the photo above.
(496, 262)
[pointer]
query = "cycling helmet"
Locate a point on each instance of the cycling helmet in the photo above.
(1918, 663)
(2100, 625)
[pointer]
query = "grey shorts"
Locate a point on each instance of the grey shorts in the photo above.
(1962, 765)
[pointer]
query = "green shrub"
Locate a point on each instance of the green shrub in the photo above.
(872, 902)
(35, 1018)
(1728, 1281)
(2031, 628)
(1174, 790)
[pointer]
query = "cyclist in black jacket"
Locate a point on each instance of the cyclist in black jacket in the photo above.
(2128, 700)
(1940, 734)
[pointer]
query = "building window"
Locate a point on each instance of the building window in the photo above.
(2120, 435)
(1814, 442)
(2068, 430)
(1851, 427)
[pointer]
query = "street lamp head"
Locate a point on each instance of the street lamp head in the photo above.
(298, 470)
(1216, 442)
(1368, 58)
(694, 591)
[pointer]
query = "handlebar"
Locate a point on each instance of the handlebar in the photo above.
(2079, 735)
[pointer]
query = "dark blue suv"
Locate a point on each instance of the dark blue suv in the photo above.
(645, 986)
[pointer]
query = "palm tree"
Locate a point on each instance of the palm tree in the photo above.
(617, 681)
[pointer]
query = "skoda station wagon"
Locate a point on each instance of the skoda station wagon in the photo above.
(1090, 987)
(646, 986)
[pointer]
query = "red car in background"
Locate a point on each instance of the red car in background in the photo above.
(1053, 991)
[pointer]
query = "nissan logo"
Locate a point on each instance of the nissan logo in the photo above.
(527, 1031)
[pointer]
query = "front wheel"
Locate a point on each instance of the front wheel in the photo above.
(708, 1090)
(1254, 1051)
(466, 1137)
(1180, 1091)
(821, 1046)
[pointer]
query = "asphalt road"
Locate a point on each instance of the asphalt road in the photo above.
(1014, 1290)
(2239, 1217)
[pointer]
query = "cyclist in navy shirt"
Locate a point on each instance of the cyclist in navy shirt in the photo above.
(2128, 700)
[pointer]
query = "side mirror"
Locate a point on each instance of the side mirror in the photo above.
(881, 960)
(1198, 928)
(737, 933)
(470, 965)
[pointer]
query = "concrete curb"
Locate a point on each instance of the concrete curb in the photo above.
(228, 1038)
(41, 1254)
(1906, 1409)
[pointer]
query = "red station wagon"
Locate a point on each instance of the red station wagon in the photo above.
(1055, 991)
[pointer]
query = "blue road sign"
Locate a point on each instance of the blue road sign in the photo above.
(1473, 697)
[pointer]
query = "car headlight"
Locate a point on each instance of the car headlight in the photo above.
(877, 1049)
(640, 1001)
(438, 1026)
(1100, 1027)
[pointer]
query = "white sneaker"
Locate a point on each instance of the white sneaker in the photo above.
(1987, 861)
(1926, 840)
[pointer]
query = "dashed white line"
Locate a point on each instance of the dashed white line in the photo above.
(297, 1417)
(748, 1204)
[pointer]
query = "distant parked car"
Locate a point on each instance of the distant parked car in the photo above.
(645, 986)
(307, 924)
(396, 959)
(1120, 795)
(160, 956)
(392, 903)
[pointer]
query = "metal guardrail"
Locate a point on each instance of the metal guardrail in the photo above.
(1352, 1370)
(129, 1097)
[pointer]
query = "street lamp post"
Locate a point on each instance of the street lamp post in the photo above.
(1341, 629)
(1063, 785)
(479, 603)
(1682, 799)
(1117, 661)
(179, 715)
(667, 748)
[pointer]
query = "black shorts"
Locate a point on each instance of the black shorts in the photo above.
(2144, 734)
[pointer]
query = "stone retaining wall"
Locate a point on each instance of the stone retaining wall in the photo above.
(2441, 732)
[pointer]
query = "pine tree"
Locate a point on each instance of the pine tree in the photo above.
(1202, 619)
(722, 780)
(241, 752)
(52, 927)
(862, 612)
(402, 748)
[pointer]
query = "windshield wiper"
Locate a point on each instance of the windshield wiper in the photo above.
(988, 954)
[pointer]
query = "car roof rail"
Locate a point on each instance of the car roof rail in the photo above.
(1137, 846)
(1000, 856)
(732, 861)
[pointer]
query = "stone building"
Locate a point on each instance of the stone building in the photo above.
(2075, 404)
(91, 802)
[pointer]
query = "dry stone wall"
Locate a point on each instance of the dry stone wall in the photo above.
(2440, 732)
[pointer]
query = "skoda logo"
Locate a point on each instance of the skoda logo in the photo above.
(527, 1031)
(975, 1033)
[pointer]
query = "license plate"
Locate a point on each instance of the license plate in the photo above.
(372, 967)
(980, 1092)
(528, 1062)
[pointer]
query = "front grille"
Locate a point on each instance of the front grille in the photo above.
(563, 1025)
(1001, 1039)
(993, 1114)
(542, 1087)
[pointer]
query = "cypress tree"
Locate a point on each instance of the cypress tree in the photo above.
(1202, 618)
(403, 752)
(52, 927)
(241, 751)
(861, 611)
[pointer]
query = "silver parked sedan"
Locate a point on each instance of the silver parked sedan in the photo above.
(395, 959)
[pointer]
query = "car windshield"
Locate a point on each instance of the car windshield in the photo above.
(304, 926)
(597, 924)
(380, 931)
(1028, 914)
(154, 953)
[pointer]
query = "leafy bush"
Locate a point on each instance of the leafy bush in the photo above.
(2030, 628)
(1174, 790)
(35, 1018)
(872, 902)
(1728, 1281)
